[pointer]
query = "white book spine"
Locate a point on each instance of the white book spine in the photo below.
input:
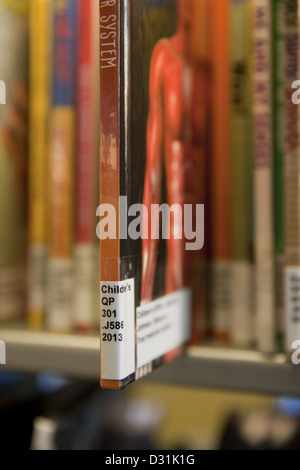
(263, 178)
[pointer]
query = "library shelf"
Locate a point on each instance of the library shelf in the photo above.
(201, 366)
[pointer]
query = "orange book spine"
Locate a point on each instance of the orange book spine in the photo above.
(219, 20)
(109, 63)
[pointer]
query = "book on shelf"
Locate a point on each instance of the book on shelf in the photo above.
(199, 266)
(219, 168)
(13, 156)
(241, 161)
(85, 252)
(278, 151)
(153, 96)
(40, 21)
(291, 174)
(61, 168)
(264, 316)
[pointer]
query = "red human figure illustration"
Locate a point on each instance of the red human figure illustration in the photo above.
(176, 135)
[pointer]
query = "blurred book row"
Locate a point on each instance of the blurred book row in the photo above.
(48, 163)
(49, 261)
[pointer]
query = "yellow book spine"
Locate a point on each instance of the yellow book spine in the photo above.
(40, 48)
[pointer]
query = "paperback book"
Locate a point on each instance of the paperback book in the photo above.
(153, 97)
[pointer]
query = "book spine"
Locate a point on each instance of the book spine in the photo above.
(109, 133)
(278, 143)
(84, 250)
(291, 174)
(263, 177)
(96, 88)
(241, 316)
(110, 69)
(220, 173)
(39, 14)
(199, 270)
(61, 171)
